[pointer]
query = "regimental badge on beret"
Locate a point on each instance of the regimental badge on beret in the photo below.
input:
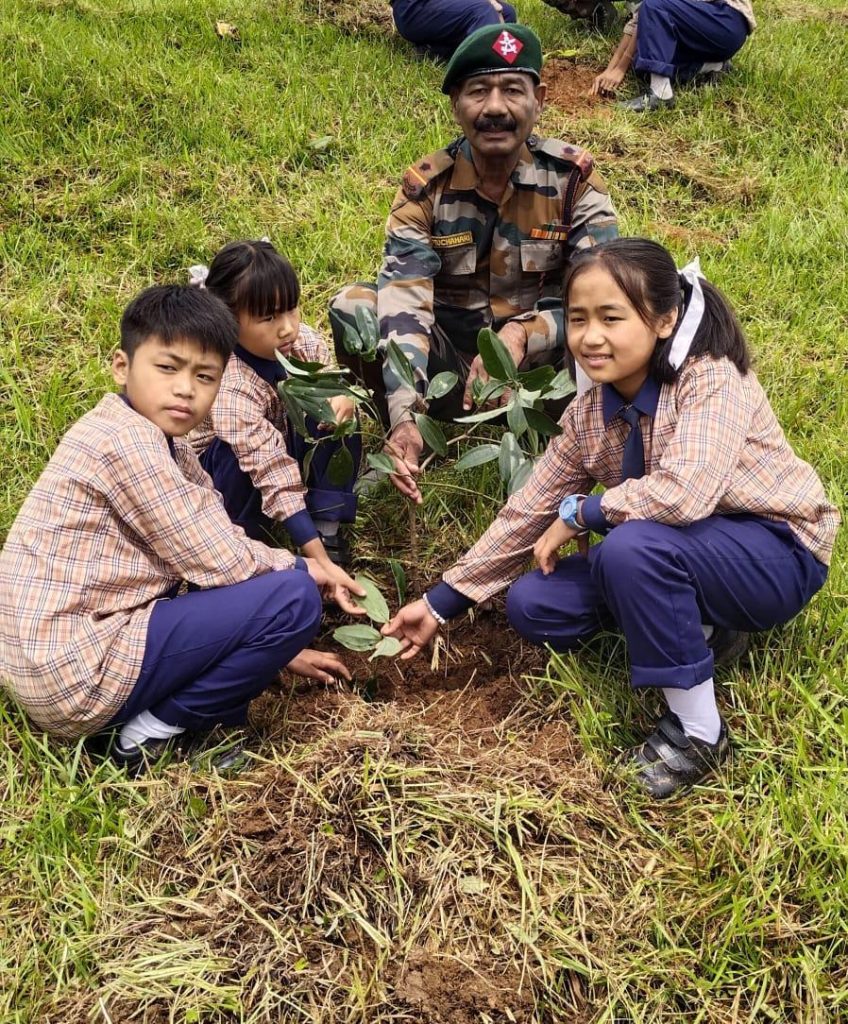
(507, 46)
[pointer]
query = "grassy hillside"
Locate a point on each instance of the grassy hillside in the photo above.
(451, 851)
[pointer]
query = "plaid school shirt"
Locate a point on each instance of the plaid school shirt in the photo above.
(249, 416)
(117, 520)
(713, 446)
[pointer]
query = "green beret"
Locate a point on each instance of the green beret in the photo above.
(495, 48)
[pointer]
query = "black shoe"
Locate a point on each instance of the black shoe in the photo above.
(604, 16)
(669, 760)
(727, 645)
(646, 102)
(338, 549)
(138, 759)
(220, 749)
(714, 77)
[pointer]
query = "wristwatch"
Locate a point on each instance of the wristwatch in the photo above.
(568, 511)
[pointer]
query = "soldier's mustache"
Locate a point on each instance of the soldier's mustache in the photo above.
(495, 124)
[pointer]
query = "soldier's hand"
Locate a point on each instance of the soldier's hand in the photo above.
(514, 337)
(404, 448)
(414, 626)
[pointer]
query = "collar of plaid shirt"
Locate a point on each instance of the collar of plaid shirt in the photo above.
(645, 401)
(270, 370)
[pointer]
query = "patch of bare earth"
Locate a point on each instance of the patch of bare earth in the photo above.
(354, 15)
(569, 85)
(416, 856)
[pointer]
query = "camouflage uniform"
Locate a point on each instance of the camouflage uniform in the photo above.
(455, 261)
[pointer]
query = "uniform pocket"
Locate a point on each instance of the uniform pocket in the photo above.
(459, 260)
(539, 256)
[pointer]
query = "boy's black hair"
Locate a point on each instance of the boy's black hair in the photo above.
(171, 312)
(251, 276)
(645, 271)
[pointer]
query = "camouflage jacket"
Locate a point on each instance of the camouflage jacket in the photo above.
(457, 260)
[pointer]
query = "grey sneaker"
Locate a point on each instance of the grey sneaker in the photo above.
(669, 761)
(645, 103)
(728, 645)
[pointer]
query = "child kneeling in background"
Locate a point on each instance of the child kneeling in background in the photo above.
(93, 632)
(711, 524)
(246, 444)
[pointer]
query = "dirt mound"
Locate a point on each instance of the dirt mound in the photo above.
(569, 84)
(354, 15)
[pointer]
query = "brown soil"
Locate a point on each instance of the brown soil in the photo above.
(354, 15)
(569, 84)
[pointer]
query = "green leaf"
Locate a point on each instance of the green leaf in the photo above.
(351, 342)
(520, 477)
(374, 603)
(489, 392)
(400, 364)
(560, 387)
(472, 885)
(542, 423)
(496, 357)
(510, 456)
(307, 462)
(478, 455)
(340, 467)
(388, 647)
(441, 385)
(298, 367)
(516, 418)
(537, 379)
(400, 578)
(294, 410)
(380, 461)
(368, 328)
(432, 433)
(480, 417)
(357, 638)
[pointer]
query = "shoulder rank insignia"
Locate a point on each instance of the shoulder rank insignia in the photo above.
(419, 175)
(580, 158)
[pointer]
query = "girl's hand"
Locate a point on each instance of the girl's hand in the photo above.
(558, 534)
(343, 408)
(414, 626)
(325, 668)
(607, 82)
(335, 584)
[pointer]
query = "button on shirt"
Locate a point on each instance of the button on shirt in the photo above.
(712, 447)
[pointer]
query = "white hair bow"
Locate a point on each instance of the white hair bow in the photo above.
(197, 275)
(692, 315)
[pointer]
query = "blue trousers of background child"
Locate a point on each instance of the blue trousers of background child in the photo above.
(438, 26)
(659, 583)
(210, 652)
(324, 500)
(675, 38)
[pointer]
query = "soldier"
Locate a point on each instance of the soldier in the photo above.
(479, 235)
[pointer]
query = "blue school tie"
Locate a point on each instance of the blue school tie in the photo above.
(633, 461)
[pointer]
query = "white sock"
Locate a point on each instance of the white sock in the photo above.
(661, 87)
(326, 528)
(712, 65)
(708, 630)
(696, 709)
(146, 726)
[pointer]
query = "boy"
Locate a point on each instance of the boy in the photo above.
(92, 630)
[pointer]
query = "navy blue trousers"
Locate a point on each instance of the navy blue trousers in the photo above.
(210, 652)
(658, 583)
(324, 499)
(439, 26)
(675, 37)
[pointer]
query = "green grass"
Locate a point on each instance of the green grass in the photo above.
(373, 854)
